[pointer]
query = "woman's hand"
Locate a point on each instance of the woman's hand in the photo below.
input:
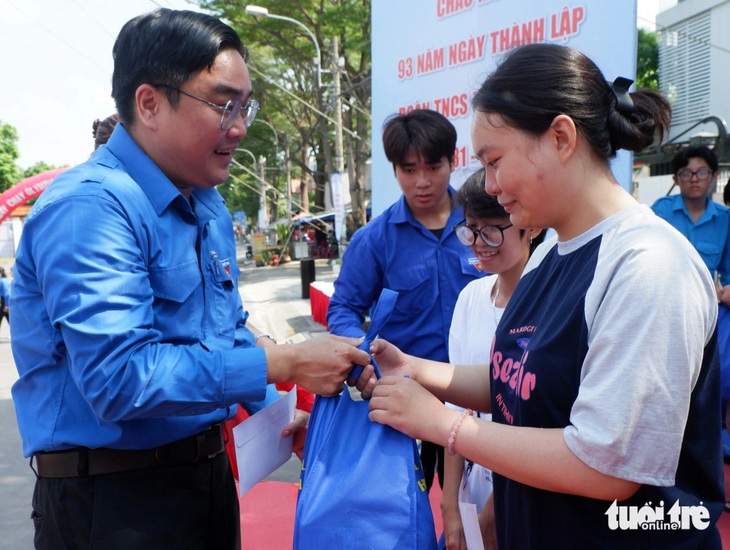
(403, 404)
(453, 529)
(298, 427)
(390, 360)
(723, 294)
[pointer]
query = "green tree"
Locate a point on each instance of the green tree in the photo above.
(285, 79)
(10, 173)
(647, 62)
(37, 168)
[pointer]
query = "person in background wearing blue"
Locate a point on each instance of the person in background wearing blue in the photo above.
(410, 248)
(4, 296)
(692, 212)
(129, 334)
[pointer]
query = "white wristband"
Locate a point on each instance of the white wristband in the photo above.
(265, 336)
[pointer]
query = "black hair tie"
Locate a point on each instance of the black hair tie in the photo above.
(620, 89)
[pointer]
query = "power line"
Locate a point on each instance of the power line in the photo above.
(59, 38)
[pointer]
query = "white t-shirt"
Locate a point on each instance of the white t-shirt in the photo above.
(470, 341)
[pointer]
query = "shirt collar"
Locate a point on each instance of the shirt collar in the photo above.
(159, 190)
(711, 207)
(402, 213)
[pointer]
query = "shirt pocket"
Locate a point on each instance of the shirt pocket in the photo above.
(224, 274)
(416, 286)
(710, 253)
(471, 267)
(177, 292)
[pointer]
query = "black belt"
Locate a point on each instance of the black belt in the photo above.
(81, 461)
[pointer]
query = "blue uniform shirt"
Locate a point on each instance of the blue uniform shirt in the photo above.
(710, 235)
(128, 329)
(5, 289)
(395, 251)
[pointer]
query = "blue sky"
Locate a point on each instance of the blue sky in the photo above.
(56, 67)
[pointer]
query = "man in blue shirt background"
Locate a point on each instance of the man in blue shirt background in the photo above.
(705, 223)
(129, 334)
(410, 248)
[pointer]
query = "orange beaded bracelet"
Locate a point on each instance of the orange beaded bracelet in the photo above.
(454, 430)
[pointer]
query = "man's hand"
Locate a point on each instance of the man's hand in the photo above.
(320, 365)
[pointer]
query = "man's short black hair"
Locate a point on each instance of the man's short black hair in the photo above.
(681, 159)
(421, 131)
(166, 47)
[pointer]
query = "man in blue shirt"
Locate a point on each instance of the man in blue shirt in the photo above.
(411, 248)
(129, 334)
(692, 212)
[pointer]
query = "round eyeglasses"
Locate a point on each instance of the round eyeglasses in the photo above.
(229, 111)
(702, 174)
(492, 235)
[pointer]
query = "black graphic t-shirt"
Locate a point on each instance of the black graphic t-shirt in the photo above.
(609, 336)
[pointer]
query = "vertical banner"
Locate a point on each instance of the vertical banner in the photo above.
(263, 218)
(338, 203)
(436, 53)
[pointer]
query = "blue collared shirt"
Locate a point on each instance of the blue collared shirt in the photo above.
(396, 251)
(5, 289)
(710, 235)
(128, 329)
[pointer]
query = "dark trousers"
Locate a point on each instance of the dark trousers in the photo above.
(432, 460)
(3, 314)
(187, 506)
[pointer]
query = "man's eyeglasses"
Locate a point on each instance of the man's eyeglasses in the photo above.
(492, 235)
(229, 111)
(702, 174)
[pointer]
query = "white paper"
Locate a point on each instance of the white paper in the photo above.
(260, 449)
(470, 522)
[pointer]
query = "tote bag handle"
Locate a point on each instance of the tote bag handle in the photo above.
(381, 314)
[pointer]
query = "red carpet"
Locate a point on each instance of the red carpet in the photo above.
(267, 515)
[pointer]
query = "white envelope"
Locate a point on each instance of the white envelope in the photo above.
(470, 522)
(260, 449)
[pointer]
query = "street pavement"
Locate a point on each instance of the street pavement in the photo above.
(273, 298)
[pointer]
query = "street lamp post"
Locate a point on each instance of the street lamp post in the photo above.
(249, 153)
(286, 164)
(263, 212)
(264, 206)
(258, 11)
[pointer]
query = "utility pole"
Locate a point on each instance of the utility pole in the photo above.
(263, 207)
(339, 159)
(287, 171)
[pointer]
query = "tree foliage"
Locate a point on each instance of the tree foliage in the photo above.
(284, 73)
(37, 168)
(647, 62)
(10, 174)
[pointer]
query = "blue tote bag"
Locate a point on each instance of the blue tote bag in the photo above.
(361, 485)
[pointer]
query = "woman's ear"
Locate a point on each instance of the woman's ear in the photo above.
(564, 135)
